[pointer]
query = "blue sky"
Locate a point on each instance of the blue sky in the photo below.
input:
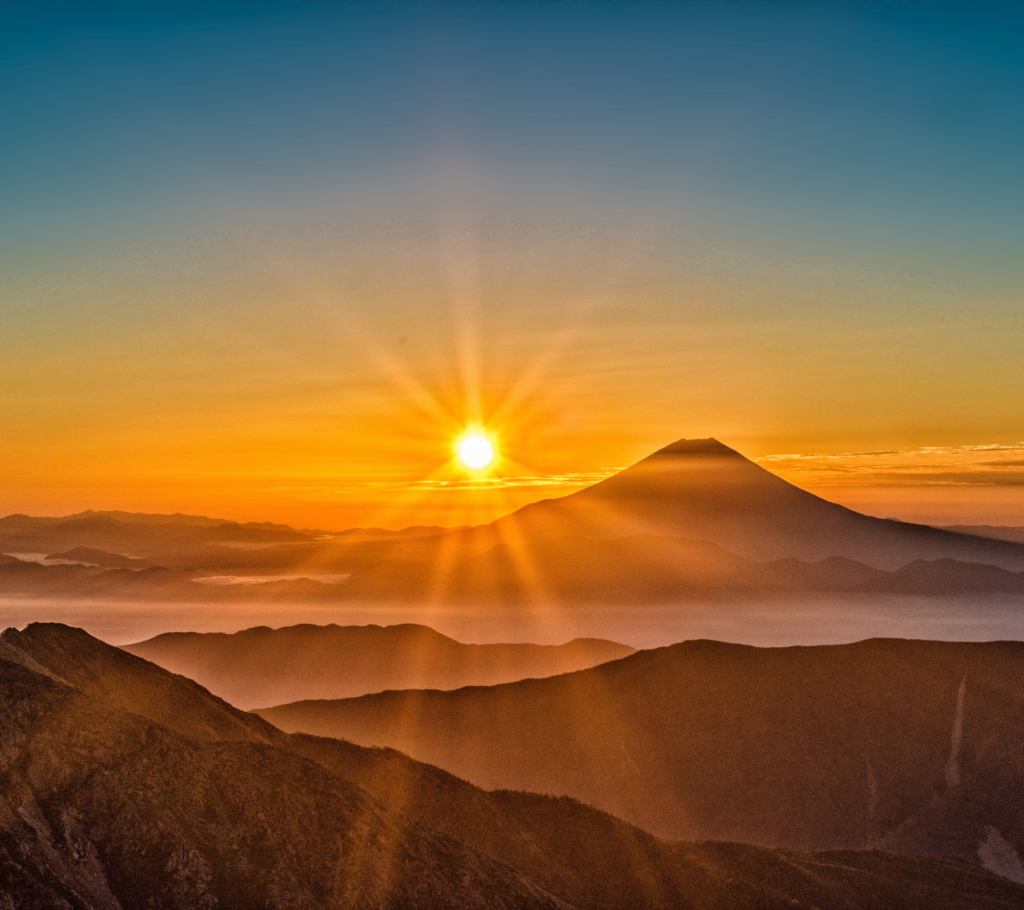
(831, 115)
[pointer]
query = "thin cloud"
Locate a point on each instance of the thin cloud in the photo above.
(969, 465)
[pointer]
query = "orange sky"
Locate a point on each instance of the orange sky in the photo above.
(276, 283)
(320, 379)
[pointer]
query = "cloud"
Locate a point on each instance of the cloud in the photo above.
(580, 479)
(997, 464)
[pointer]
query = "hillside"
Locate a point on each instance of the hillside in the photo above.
(906, 744)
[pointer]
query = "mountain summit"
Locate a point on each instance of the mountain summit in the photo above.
(703, 490)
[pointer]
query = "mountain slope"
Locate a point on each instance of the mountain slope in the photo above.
(263, 666)
(820, 747)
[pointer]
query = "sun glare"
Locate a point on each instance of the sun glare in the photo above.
(476, 451)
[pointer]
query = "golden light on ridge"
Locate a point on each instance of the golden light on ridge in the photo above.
(476, 451)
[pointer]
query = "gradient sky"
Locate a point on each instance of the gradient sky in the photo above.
(266, 261)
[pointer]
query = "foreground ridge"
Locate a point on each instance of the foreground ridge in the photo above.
(126, 786)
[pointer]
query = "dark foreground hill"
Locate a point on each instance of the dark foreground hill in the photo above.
(124, 786)
(263, 666)
(910, 745)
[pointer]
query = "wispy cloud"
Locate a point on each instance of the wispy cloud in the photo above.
(995, 464)
(580, 479)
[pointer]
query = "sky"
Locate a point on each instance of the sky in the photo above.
(268, 261)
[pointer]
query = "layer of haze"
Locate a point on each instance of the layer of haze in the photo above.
(772, 622)
(267, 261)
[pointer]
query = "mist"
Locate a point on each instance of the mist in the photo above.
(765, 622)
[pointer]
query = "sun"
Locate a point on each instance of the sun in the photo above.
(476, 451)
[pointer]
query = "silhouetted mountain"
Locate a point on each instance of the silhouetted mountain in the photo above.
(819, 747)
(178, 518)
(134, 788)
(265, 666)
(130, 538)
(947, 577)
(703, 490)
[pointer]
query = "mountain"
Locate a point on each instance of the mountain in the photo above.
(19, 533)
(178, 518)
(151, 518)
(702, 490)
(125, 786)
(263, 666)
(947, 577)
(909, 744)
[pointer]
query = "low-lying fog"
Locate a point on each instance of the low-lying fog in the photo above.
(795, 621)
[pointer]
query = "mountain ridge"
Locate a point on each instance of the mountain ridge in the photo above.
(252, 667)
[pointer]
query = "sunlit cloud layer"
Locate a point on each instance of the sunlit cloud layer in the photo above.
(985, 465)
(555, 481)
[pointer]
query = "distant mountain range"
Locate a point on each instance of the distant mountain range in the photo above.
(694, 519)
(125, 786)
(997, 533)
(912, 746)
(261, 666)
(143, 538)
(635, 570)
